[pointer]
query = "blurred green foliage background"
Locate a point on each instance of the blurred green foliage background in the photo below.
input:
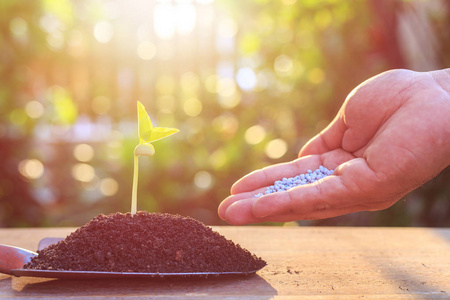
(246, 82)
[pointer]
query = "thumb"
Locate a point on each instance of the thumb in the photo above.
(328, 139)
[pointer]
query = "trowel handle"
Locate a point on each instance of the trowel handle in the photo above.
(13, 258)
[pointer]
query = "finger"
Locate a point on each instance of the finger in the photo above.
(240, 213)
(328, 139)
(223, 206)
(329, 213)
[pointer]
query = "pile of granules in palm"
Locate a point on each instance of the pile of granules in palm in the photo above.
(286, 184)
(145, 243)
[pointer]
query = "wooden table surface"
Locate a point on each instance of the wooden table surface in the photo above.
(303, 262)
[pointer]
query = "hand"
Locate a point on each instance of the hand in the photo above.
(391, 135)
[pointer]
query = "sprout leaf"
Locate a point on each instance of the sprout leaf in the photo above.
(148, 133)
(144, 123)
(161, 132)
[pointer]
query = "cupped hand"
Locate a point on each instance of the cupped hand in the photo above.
(391, 135)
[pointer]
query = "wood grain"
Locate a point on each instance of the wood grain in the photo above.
(306, 262)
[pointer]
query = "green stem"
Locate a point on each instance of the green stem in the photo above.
(135, 183)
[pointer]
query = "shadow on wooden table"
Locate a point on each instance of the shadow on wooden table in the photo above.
(442, 233)
(252, 285)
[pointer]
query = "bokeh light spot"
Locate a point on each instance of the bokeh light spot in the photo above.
(255, 134)
(246, 79)
(283, 64)
(203, 179)
(65, 109)
(83, 172)
(250, 44)
(18, 26)
(49, 23)
(276, 148)
(226, 87)
(230, 101)
(109, 186)
(31, 168)
(192, 107)
(83, 152)
(164, 20)
(34, 109)
(103, 32)
(186, 16)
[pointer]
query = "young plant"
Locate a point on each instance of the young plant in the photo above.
(147, 135)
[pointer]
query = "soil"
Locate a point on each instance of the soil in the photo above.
(147, 243)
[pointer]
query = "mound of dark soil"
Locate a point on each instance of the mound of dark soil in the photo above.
(146, 242)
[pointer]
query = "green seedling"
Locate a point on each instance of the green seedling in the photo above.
(147, 135)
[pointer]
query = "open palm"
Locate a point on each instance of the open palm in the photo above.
(391, 135)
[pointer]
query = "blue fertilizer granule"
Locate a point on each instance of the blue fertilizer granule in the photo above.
(289, 183)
